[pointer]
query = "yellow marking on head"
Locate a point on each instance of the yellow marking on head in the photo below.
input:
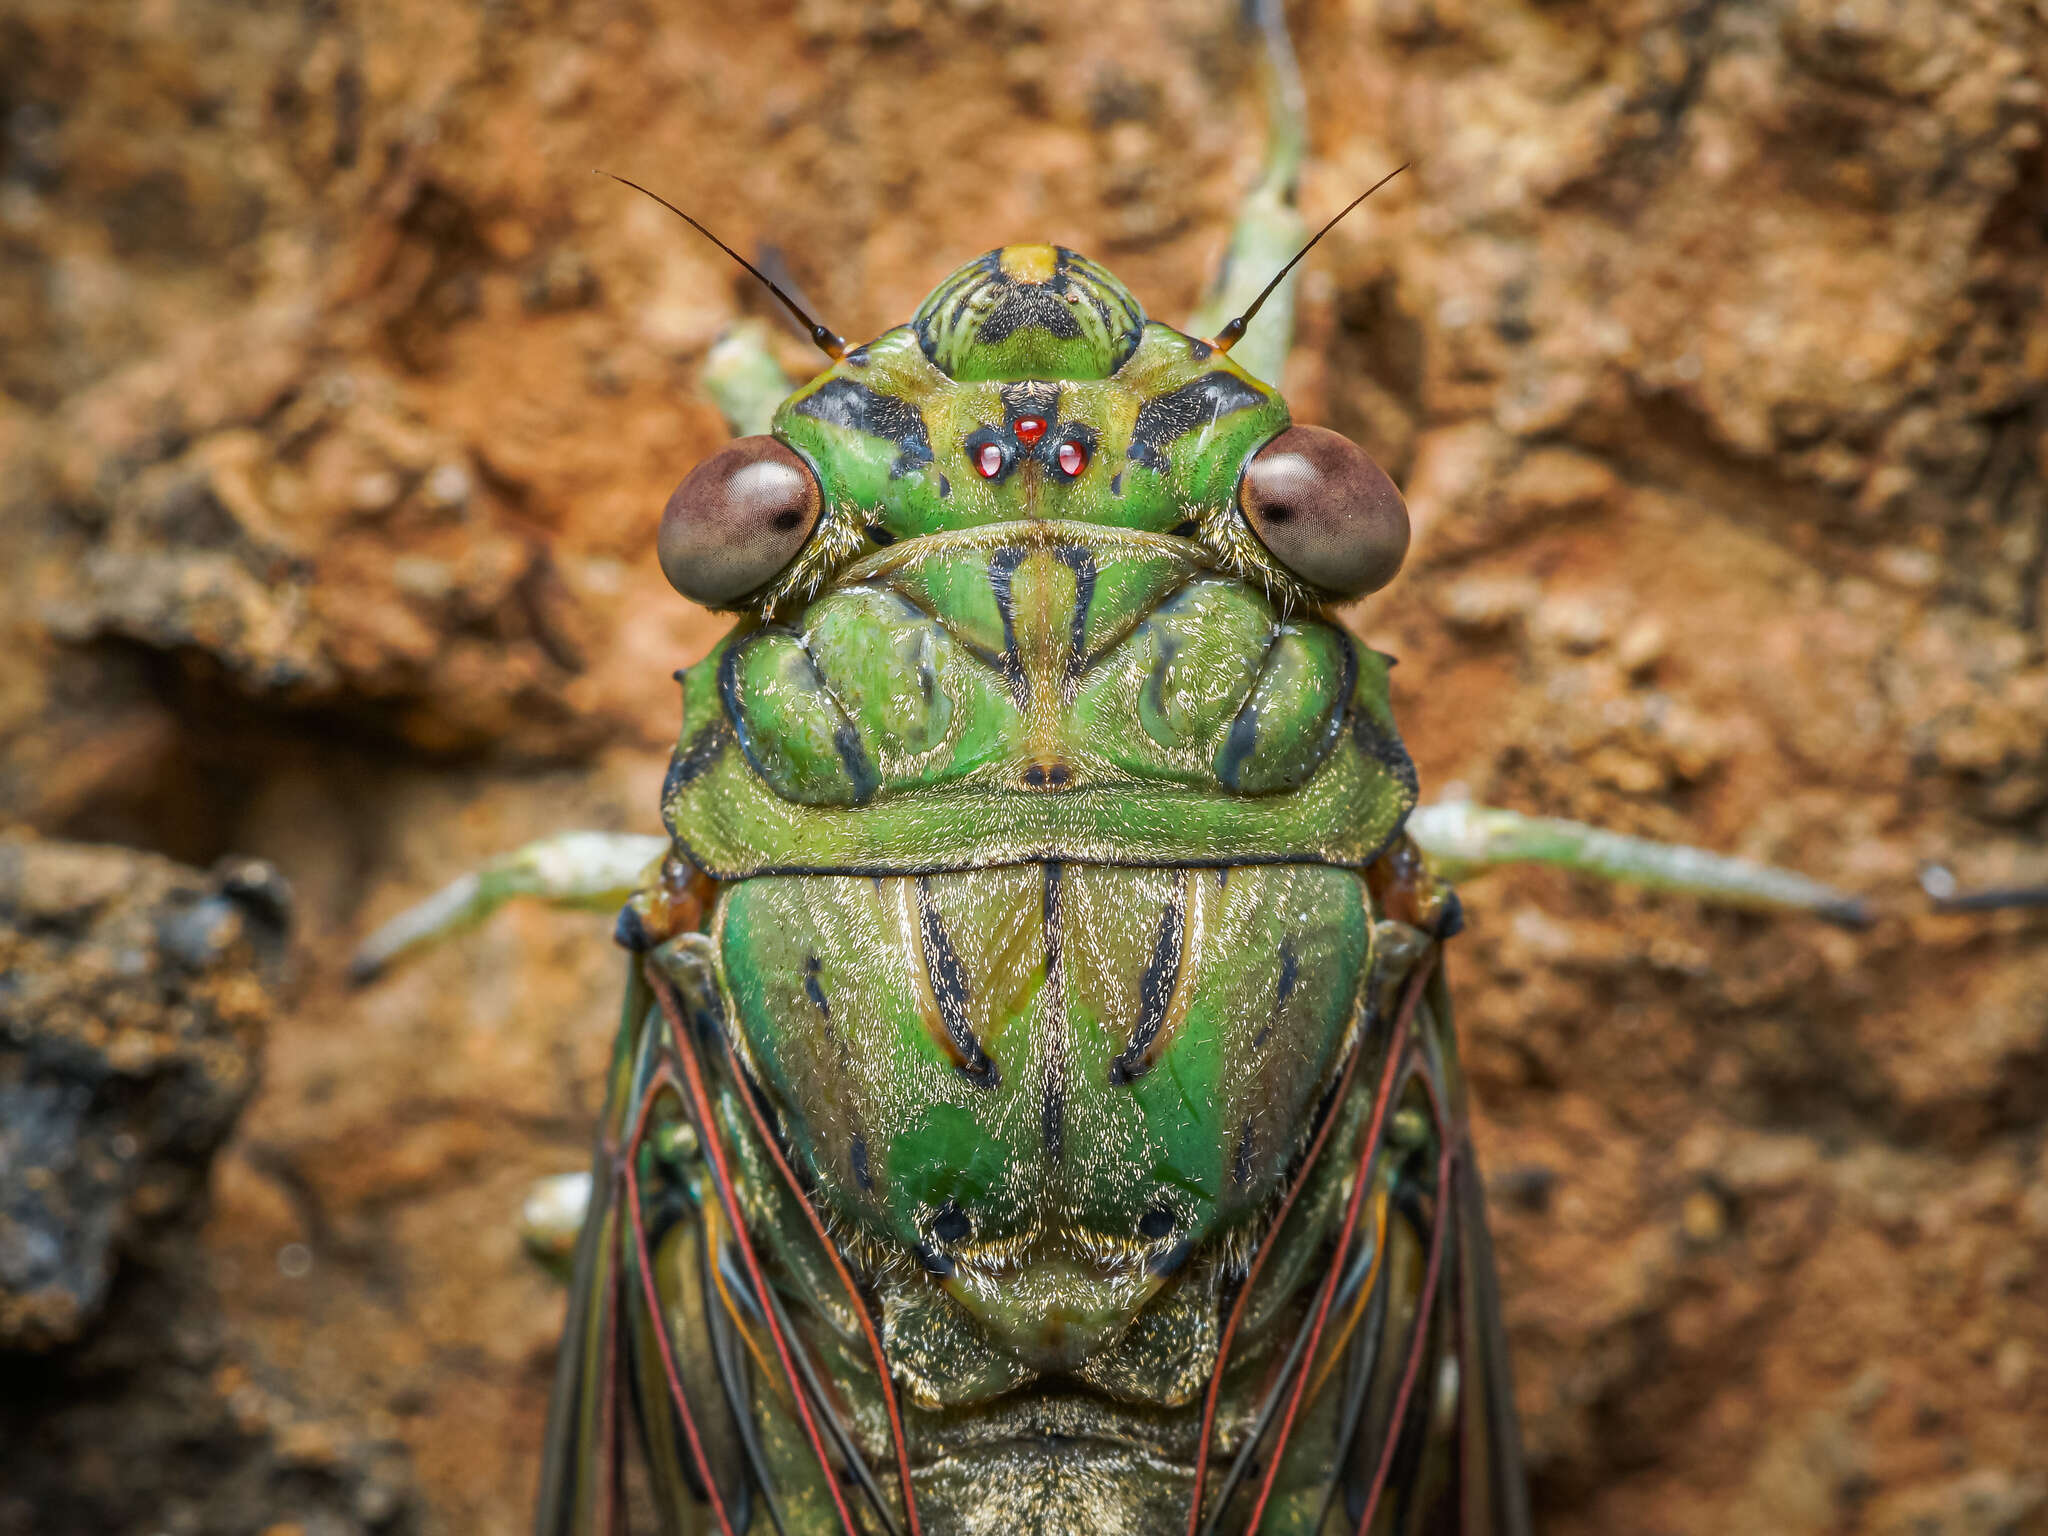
(1029, 263)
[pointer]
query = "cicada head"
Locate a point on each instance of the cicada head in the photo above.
(1030, 386)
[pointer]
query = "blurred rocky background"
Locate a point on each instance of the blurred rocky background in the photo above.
(338, 401)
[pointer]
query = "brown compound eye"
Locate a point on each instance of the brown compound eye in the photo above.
(1326, 511)
(736, 520)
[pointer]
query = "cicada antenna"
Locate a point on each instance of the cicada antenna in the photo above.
(1229, 336)
(830, 342)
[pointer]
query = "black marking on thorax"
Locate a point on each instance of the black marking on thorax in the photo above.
(949, 987)
(1053, 1106)
(846, 742)
(851, 404)
(1082, 563)
(1166, 417)
(1002, 571)
(1238, 745)
(1049, 908)
(695, 760)
(1241, 1161)
(1243, 737)
(1155, 992)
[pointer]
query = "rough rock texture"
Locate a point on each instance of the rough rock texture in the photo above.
(131, 1016)
(155, 1425)
(134, 997)
(1709, 339)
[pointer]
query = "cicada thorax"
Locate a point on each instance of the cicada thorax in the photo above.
(1035, 690)
(1057, 1030)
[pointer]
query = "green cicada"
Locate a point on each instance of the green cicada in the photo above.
(1038, 1108)
(1035, 1106)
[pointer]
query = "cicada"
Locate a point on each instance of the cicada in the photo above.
(1037, 1109)
(1035, 1105)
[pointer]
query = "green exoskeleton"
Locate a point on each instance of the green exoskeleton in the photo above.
(1038, 1110)
(1035, 1106)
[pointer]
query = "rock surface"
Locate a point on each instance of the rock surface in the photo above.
(132, 1012)
(134, 998)
(1709, 341)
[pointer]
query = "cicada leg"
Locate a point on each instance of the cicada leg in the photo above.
(590, 871)
(1463, 840)
(1269, 228)
(744, 380)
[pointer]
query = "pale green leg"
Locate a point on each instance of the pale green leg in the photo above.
(1269, 227)
(1463, 840)
(593, 871)
(744, 380)
(597, 871)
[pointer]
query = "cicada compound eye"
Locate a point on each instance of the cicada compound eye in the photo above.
(736, 520)
(1326, 511)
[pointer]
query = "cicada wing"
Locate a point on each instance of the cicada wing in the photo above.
(1436, 1450)
(1493, 1483)
(583, 1457)
(691, 1317)
(639, 1342)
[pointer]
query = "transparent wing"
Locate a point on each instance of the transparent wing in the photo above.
(1391, 1411)
(1437, 1447)
(678, 1319)
(645, 1340)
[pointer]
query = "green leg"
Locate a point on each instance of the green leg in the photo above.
(591, 871)
(743, 379)
(1464, 840)
(551, 1219)
(1269, 227)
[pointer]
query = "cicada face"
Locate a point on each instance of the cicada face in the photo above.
(1039, 795)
